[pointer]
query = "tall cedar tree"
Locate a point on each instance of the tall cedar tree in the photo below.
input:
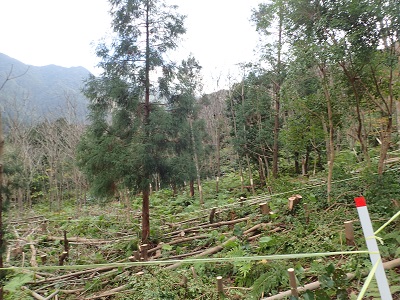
(126, 142)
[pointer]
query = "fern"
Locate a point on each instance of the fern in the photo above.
(270, 281)
(244, 267)
(17, 282)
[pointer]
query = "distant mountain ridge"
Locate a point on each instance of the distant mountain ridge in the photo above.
(51, 91)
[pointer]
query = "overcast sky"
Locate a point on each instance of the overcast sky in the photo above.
(65, 32)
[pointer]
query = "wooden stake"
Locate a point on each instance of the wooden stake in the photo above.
(66, 245)
(220, 287)
(143, 252)
(193, 272)
(43, 258)
(349, 233)
(292, 282)
(212, 214)
(264, 208)
(62, 257)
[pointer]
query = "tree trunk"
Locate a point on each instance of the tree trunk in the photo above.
(398, 118)
(218, 158)
(250, 175)
(386, 140)
(296, 162)
(235, 131)
(306, 162)
(145, 215)
(146, 175)
(191, 187)
(330, 140)
(360, 136)
(261, 171)
(277, 87)
(196, 163)
(241, 174)
(267, 167)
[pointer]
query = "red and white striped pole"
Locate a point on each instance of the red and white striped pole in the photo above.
(372, 245)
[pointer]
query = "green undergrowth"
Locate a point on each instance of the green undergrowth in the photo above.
(316, 227)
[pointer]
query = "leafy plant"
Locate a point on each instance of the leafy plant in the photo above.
(272, 277)
(334, 282)
(13, 287)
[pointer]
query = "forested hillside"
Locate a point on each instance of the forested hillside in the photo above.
(42, 92)
(160, 172)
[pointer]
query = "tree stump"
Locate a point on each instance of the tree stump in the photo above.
(293, 201)
(264, 208)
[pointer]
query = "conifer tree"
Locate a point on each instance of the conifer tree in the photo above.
(126, 142)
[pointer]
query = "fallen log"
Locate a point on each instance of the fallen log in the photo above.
(207, 225)
(109, 292)
(33, 293)
(256, 227)
(38, 296)
(33, 261)
(72, 291)
(75, 274)
(206, 252)
(178, 241)
(26, 220)
(254, 237)
(81, 240)
(316, 284)
(112, 291)
(185, 255)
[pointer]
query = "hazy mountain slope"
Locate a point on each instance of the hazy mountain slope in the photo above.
(42, 91)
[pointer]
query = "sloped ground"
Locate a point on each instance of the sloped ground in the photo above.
(105, 240)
